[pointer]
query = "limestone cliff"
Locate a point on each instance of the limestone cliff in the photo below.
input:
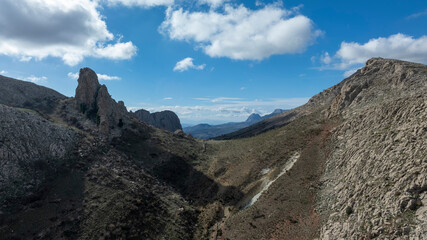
(167, 120)
(94, 100)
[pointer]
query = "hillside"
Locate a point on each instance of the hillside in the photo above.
(24, 94)
(206, 131)
(349, 164)
(361, 169)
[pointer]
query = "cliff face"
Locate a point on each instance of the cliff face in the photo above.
(94, 100)
(167, 120)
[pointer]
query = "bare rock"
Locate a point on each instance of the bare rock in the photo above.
(167, 120)
(110, 114)
(30, 149)
(87, 91)
(94, 100)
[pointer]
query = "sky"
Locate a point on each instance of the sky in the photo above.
(209, 61)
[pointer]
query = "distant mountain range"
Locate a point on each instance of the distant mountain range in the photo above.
(206, 131)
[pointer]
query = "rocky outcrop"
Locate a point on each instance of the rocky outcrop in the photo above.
(17, 93)
(94, 100)
(167, 120)
(87, 91)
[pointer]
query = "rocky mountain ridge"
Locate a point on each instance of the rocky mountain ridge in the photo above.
(206, 131)
(349, 164)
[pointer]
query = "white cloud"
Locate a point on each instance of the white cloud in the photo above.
(141, 3)
(241, 33)
(213, 3)
(417, 15)
(3, 72)
(326, 59)
(73, 75)
(232, 110)
(35, 79)
(167, 98)
(108, 78)
(70, 30)
(187, 63)
(104, 77)
(398, 46)
(242, 88)
(224, 99)
(349, 72)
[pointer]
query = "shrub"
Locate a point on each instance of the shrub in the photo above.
(349, 210)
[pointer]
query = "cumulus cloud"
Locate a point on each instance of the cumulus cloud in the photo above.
(229, 109)
(241, 33)
(141, 3)
(107, 77)
(35, 79)
(3, 72)
(213, 3)
(73, 75)
(70, 30)
(398, 46)
(104, 77)
(187, 63)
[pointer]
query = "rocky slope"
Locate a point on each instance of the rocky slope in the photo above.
(349, 164)
(64, 174)
(26, 160)
(377, 171)
(363, 166)
(206, 131)
(167, 120)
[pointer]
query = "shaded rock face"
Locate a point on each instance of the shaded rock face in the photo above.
(94, 100)
(17, 93)
(30, 147)
(167, 120)
(87, 91)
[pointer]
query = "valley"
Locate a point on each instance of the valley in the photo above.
(349, 164)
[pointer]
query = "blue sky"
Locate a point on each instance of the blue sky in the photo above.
(208, 60)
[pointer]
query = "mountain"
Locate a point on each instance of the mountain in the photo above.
(167, 120)
(24, 94)
(349, 164)
(253, 118)
(206, 131)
